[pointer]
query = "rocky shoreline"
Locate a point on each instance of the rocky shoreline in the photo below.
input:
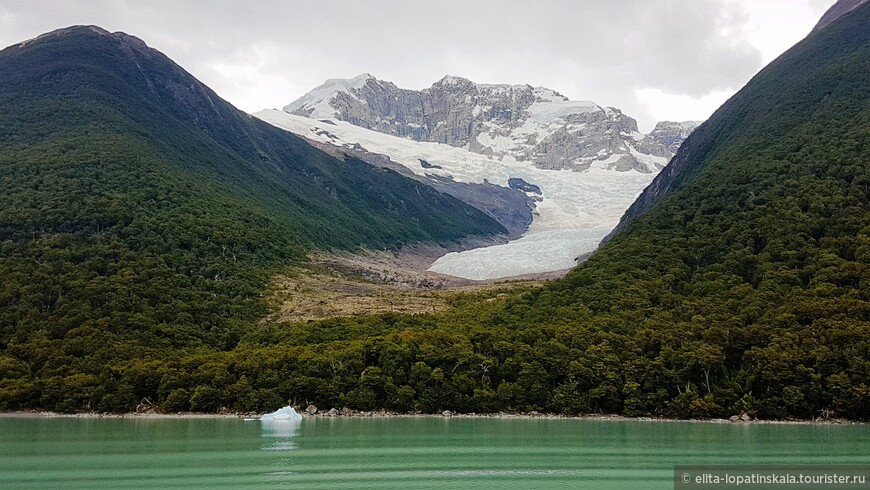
(313, 412)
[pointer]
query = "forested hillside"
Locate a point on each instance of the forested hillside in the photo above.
(140, 213)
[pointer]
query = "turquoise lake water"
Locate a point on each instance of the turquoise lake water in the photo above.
(413, 452)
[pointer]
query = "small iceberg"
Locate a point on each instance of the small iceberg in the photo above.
(283, 424)
(283, 414)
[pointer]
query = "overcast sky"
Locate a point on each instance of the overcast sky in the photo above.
(654, 59)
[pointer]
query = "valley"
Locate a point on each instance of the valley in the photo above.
(159, 246)
(619, 244)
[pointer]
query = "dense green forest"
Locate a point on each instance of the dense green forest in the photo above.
(745, 288)
(140, 213)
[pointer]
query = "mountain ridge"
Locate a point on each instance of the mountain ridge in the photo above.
(165, 86)
(534, 124)
(837, 10)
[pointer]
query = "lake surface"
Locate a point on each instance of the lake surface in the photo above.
(421, 452)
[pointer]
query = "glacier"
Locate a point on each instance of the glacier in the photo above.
(574, 211)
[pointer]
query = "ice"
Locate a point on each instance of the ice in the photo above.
(282, 414)
(280, 426)
(534, 253)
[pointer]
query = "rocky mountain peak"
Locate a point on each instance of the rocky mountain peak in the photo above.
(532, 124)
(131, 44)
(67, 31)
(83, 57)
(451, 80)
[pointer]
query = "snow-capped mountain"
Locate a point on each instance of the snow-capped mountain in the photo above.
(533, 124)
(557, 173)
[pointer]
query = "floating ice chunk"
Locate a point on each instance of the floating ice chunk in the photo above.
(282, 414)
(283, 422)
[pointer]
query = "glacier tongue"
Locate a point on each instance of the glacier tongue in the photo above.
(533, 253)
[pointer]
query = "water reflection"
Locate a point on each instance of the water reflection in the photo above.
(279, 434)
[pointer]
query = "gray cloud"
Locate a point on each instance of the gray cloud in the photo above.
(269, 53)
